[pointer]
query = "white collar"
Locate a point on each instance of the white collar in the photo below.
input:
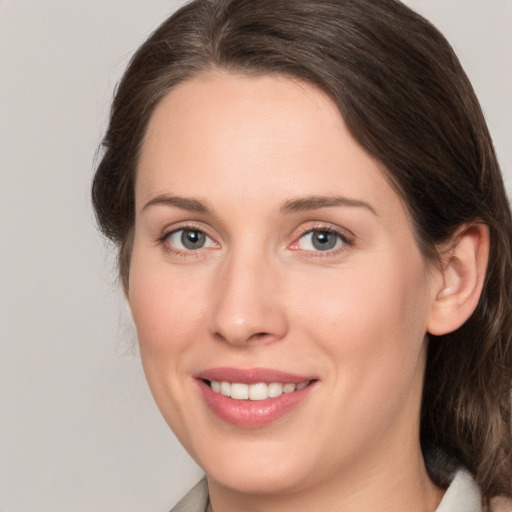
(462, 495)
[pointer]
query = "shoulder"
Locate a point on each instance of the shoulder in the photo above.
(196, 500)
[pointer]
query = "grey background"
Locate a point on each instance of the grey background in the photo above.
(78, 428)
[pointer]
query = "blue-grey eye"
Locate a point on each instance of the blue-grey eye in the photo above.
(190, 239)
(320, 240)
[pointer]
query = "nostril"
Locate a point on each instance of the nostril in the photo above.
(242, 338)
(250, 319)
(260, 335)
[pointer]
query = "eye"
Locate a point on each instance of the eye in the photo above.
(320, 240)
(189, 240)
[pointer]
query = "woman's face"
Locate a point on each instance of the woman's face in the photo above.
(272, 255)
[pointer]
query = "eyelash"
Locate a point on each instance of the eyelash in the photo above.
(169, 248)
(347, 241)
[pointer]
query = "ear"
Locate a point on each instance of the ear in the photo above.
(463, 266)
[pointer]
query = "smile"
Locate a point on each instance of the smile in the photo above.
(257, 391)
(254, 397)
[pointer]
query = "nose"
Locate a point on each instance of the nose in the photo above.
(247, 306)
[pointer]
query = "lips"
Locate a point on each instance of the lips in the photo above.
(252, 397)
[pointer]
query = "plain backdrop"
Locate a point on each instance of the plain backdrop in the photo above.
(78, 428)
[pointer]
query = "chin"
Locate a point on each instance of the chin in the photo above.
(245, 478)
(252, 466)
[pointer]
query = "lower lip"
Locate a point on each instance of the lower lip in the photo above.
(252, 413)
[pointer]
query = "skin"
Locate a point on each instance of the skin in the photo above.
(258, 294)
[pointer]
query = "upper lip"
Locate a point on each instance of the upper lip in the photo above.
(251, 375)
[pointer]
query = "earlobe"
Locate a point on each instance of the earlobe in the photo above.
(463, 267)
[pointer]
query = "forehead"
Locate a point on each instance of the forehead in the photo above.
(225, 109)
(254, 137)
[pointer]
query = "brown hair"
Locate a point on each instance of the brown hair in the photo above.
(406, 99)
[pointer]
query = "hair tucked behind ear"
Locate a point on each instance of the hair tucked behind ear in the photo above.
(407, 101)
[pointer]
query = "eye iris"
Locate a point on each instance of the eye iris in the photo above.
(192, 239)
(324, 240)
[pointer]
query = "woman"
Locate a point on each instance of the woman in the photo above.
(315, 243)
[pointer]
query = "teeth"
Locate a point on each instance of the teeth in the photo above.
(239, 391)
(225, 388)
(275, 389)
(258, 391)
(289, 388)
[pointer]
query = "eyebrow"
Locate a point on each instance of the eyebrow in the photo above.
(185, 203)
(310, 203)
(302, 204)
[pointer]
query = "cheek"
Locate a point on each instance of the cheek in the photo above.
(167, 312)
(166, 308)
(381, 301)
(371, 324)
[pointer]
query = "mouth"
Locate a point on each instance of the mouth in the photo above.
(256, 391)
(251, 398)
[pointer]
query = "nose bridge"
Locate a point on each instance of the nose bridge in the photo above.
(246, 307)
